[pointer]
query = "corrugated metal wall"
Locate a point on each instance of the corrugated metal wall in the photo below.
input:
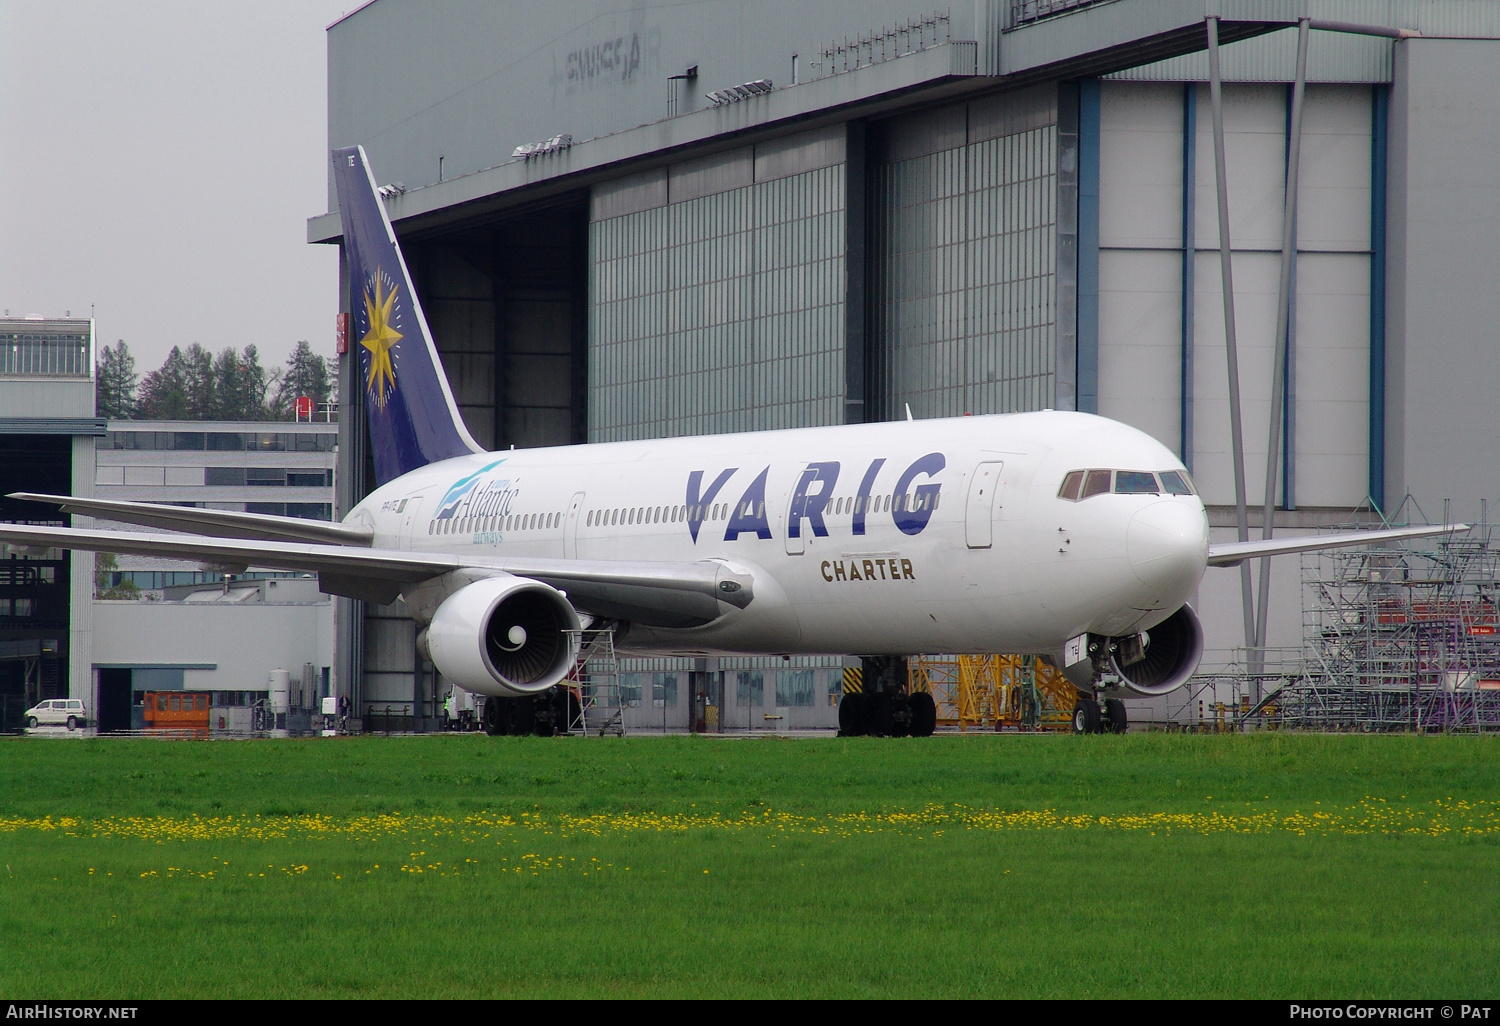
(716, 294)
(964, 269)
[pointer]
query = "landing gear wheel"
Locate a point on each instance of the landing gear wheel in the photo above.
(880, 714)
(923, 714)
(1086, 716)
(852, 715)
(522, 716)
(900, 716)
(565, 710)
(1114, 716)
(494, 717)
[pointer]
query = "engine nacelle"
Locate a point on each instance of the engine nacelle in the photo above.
(504, 635)
(1156, 663)
(1166, 659)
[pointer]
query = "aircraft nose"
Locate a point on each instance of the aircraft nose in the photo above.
(1167, 543)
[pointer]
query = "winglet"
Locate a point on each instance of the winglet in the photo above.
(413, 418)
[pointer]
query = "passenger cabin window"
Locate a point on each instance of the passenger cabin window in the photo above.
(1135, 482)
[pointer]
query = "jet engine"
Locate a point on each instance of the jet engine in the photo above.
(504, 635)
(1161, 659)
(1154, 662)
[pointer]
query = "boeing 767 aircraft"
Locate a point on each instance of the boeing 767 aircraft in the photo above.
(1064, 535)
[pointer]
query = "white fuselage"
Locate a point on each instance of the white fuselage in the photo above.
(859, 538)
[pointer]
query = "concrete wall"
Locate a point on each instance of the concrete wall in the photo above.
(1443, 370)
(81, 584)
(245, 642)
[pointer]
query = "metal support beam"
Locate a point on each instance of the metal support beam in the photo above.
(1380, 111)
(1353, 28)
(1231, 348)
(1088, 245)
(1283, 318)
(1189, 263)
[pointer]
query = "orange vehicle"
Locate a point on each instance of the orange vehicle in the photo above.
(180, 712)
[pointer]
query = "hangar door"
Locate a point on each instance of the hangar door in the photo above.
(980, 515)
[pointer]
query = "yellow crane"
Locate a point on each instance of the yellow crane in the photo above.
(996, 692)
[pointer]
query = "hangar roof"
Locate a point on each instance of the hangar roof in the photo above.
(454, 97)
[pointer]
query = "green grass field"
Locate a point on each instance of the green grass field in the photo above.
(1145, 865)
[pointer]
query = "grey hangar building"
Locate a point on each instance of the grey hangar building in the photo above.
(650, 219)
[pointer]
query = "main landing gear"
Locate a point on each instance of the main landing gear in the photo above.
(543, 715)
(885, 706)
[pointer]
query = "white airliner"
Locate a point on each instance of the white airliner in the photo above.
(1058, 534)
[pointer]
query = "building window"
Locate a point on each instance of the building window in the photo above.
(795, 687)
(664, 690)
(750, 688)
(44, 355)
(630, 690)
(310, 510)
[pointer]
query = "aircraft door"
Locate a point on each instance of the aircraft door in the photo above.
(794, 546)
(984, 485)
(411, 507)
(570, 528)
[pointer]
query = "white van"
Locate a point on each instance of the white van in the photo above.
(59, 711)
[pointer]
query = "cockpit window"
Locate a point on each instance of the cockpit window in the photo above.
(1083, 484)
(1175, 482)
(1135, 482)
(1070, 486)
(1097, 483)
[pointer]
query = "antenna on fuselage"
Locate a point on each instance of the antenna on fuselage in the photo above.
(908, 412)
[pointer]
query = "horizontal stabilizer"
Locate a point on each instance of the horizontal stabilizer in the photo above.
(216, 523)
(1235, 553)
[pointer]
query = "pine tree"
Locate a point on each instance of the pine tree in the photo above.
(164, 391)
(115, 382)
(306, 374)
(198, 383)
(254, 386)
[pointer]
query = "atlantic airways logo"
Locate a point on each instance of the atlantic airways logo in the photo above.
(382, 315)
(461, 489)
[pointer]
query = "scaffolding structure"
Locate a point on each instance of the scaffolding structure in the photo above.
(595, 682)
(1405, 637)
(995, 692)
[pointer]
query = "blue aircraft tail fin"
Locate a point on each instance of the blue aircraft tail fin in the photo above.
(413, 418)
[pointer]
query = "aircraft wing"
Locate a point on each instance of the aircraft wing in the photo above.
(216, 523)
(660, 594)
(1235, 553)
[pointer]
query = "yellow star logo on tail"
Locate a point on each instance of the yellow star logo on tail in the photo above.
(379, 340)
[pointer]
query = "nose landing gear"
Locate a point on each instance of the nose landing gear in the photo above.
(1088, 718)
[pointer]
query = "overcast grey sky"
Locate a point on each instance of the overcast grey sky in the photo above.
(160, 160)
